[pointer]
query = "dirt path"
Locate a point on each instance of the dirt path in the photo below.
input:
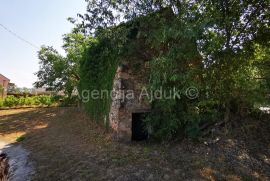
(65, 145)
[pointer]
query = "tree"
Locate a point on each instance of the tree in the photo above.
(212, 45)
(59, 73)
(52, 69)
(104, 13)
(231, 30)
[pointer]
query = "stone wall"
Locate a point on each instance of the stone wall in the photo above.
(130, 79)
(3, 86)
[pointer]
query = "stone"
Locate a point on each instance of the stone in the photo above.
(150, 177)
(166, 177)
(156, 153)
(109, 172)
(126, 100)
(123, 75)
(167, 169)
(177, 171)
(137, 174)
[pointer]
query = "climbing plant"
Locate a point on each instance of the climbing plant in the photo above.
(97, 70)
(216, 47)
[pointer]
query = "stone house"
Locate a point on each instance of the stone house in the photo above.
(4, 82)
(129, 106)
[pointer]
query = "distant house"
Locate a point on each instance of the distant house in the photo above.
(4, 81)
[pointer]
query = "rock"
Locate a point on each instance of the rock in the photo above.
(123, 75)
(4, 166)
(155, 153)
(178, 171)
(150, 177)
(109, 172)
(167, 169)
(166, 177)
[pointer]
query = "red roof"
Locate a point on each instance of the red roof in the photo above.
(4, 77)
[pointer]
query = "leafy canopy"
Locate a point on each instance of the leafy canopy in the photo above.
(61, 73)
(218, 46)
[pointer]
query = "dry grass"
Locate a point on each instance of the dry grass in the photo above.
(66, 145)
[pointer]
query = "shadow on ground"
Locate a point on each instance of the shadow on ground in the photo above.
(64, 144)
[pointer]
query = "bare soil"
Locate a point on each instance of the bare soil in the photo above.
(65, 144)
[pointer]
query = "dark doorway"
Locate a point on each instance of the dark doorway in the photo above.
(138, 129)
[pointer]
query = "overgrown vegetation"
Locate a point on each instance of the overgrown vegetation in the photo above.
(42, 100)
(220, 48)
(20, 139)
(61, 73)
(214, 46)
(98, 68)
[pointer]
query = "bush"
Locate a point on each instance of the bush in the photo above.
(29, 101)
(1, 102)
(21, 101)
(56, 98)
(45, 100)
(11, 101)
(68, 101)
(20, 139)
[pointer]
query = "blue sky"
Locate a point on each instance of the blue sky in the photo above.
(41, 22)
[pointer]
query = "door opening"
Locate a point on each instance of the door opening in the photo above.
(139, 132)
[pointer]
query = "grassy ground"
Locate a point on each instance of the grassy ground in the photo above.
(66, 145)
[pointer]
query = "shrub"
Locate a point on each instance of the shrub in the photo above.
(29, 101)
(68, 101)
(11, 101)
(21, 101)
(56, 98)
(45, 100)
(36, 100)
(1, 102)
(20, 139)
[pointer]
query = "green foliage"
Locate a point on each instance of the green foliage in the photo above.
(20, 139)
(57, 98)
(11, 101)
(1, 102)
(43, 100)
(69, 101)
(218, 47)
(1, 89)
(30, 101)
(61, 73)
(52, 67)
(97, 71)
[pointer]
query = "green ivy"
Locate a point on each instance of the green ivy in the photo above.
(228, 83)
(97, 70)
